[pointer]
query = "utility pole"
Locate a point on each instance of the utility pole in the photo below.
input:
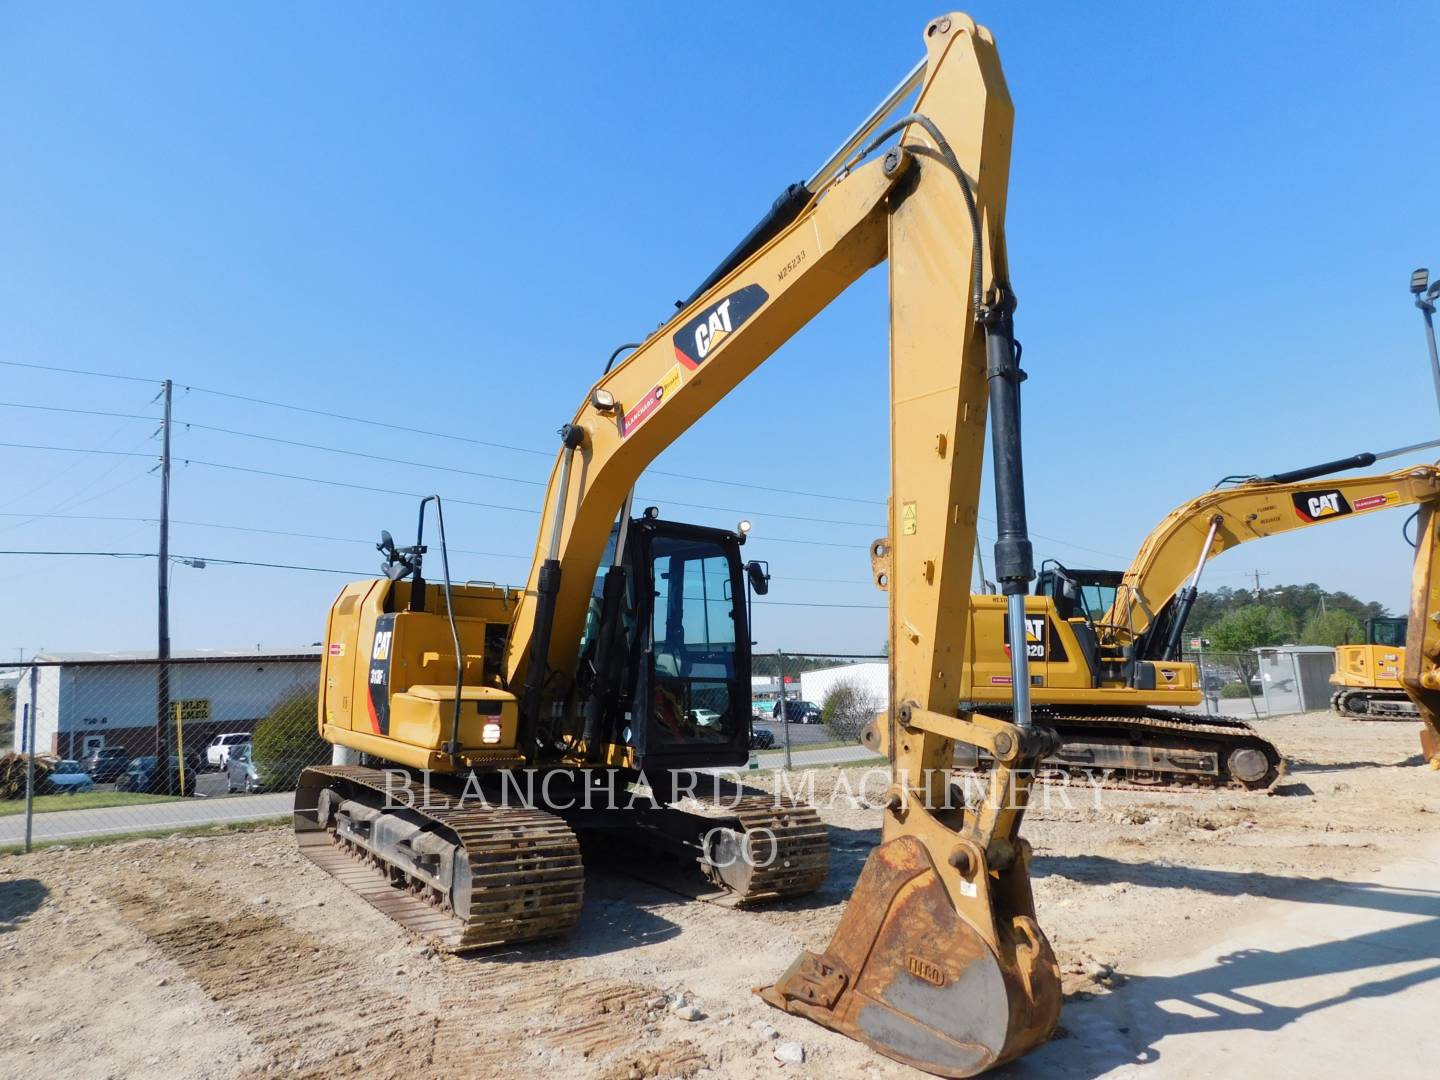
(162, 646)
(1257, 575)
(1425, 301)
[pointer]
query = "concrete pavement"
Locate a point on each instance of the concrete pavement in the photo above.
(62, 825)
(1338, 979)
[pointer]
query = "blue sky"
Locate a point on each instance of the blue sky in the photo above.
(448, 216)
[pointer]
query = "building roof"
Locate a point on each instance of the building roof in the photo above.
(53, 656)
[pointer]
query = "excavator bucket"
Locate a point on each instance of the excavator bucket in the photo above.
(910, 975)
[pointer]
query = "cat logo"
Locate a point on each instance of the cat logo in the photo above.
(710, 329)
(1038, 640)
(1317, 505)
(382, 645)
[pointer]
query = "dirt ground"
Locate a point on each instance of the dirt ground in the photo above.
(229, 955)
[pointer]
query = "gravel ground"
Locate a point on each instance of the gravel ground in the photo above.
(228, 956)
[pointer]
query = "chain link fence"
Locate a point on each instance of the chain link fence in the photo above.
(98, 746)
(126, 745)
(1264, 682)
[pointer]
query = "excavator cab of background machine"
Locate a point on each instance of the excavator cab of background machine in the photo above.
(1388, 631)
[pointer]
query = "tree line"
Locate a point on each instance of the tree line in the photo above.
(1235, 620)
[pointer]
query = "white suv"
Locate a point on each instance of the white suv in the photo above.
(217, 754)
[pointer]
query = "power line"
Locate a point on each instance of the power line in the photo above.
(505, 446)
(549, 454)
(355, 487)
(78, 371)
(78, 449)
(507, 479)
(348, 573)
(111, 554)
(195, 558)
(77, 412)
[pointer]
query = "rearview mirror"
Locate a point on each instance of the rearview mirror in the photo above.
(759, 577)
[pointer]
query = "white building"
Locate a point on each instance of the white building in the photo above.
(871, 677)
(80, 702)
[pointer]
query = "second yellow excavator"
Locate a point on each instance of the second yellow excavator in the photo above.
(1105, 645)
(1367, 674)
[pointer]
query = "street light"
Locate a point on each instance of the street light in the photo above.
(1425, 301)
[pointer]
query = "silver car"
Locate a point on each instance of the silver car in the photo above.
(240, 771)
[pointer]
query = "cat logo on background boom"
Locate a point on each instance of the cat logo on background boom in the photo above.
(1037, 639)
(1315, 505)
(703, 334)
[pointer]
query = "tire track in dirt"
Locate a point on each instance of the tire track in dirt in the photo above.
(292, 996)
(299, 1001)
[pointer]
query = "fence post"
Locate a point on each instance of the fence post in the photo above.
(1260, 674)
(784, 712)
(30, 758)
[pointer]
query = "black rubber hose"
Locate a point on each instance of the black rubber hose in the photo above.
(615, 355)
(977, 285)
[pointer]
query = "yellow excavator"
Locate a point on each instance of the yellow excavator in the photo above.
(503, 726)
(1367, 675)
(1105, 645)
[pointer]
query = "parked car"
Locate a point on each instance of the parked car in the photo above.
(217, 754)
(761, 738)
(68, 778)
(799, 712)
(142, 775)
(708, 718)
(240, 771)
(106, 764)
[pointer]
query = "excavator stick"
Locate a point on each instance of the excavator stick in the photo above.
(938, 961)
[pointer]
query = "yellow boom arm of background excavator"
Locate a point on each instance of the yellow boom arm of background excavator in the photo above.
(1171, 552)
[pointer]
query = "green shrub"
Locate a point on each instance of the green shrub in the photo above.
(12, 774)
(287, 741)
(1234, 690)
(847, 708)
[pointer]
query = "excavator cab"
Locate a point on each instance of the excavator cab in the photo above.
(678, 666)
(1388, 631)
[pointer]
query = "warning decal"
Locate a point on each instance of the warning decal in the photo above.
(645, 408)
